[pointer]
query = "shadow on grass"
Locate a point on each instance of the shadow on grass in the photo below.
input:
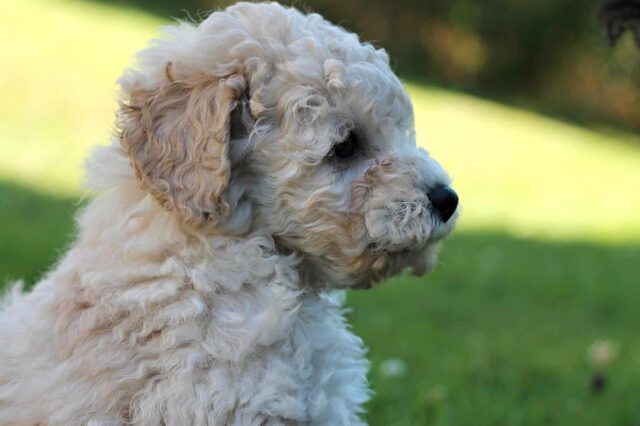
(34, 230)
(498, 334)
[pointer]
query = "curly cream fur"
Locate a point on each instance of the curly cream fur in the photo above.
(204, 283)
(177, 139)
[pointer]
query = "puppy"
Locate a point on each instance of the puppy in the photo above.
(265, 159)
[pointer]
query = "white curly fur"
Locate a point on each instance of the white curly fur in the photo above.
(204, 283)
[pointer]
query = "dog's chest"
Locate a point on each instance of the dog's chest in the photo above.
(305, 365)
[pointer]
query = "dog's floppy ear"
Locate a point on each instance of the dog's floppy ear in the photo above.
(177, 138)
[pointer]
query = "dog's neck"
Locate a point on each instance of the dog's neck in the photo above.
(127, 218)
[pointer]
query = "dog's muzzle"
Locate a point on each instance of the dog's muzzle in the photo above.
(444, 201)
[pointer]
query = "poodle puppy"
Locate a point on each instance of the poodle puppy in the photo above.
(264, 161)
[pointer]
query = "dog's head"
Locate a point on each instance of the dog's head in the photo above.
(264, 120)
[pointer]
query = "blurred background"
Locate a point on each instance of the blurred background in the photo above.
(533, 314)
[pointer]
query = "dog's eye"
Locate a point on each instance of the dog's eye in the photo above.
(347, 148)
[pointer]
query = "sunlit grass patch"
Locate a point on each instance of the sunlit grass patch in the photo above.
(531, 175)
(60, 63)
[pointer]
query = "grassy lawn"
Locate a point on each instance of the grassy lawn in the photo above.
(546, 259)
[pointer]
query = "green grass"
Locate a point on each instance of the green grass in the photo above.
(501, 331)
(34, 230)
(546, 259)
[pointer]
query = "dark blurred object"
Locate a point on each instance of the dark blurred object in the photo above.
(598, 383)
(620, 16)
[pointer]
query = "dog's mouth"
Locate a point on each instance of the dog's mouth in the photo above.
(417, 260)
(440, 228)
(418, 254)
(398, 246)
(438, 231)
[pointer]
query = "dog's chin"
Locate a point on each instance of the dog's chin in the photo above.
(417, 261)
(378, 262)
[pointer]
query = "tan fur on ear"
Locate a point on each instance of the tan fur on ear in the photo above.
(177, 139)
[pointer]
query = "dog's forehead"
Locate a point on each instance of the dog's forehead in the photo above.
(359, 87)
(302, 53)
(340, 68)
(307, 75)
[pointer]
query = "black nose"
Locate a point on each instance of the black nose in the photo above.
(444, 201)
